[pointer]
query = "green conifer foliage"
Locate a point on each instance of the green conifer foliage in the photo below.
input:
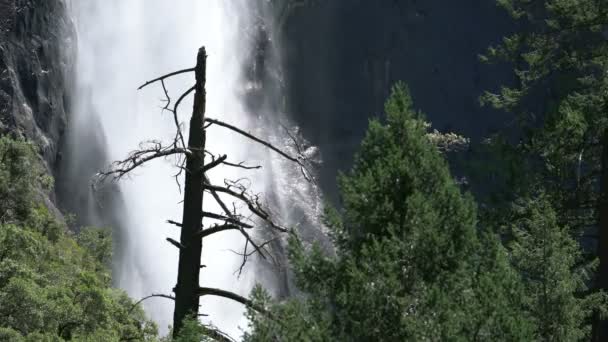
(560, 57)
(550, 260)
(411, 263)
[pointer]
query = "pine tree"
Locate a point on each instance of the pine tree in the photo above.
(550, 260)
(411, 262)
(560, 57)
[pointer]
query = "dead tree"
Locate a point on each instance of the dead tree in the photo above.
(191, 164)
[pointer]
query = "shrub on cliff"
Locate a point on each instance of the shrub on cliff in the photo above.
(54, 285)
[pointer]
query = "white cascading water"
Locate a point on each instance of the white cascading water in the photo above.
(121, 44)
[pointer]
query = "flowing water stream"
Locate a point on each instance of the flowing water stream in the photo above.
(121, 44)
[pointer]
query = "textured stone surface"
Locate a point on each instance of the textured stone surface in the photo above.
(340, 69)
(37, 49)
(37, 64)
(340, 58)
(36, 59)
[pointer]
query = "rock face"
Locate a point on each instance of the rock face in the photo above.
(333, 63)
(37, 45)
(37, 64)
(37, 49)
(339, 70)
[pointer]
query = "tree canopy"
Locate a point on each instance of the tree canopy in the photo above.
(411, 263)
(55, 285)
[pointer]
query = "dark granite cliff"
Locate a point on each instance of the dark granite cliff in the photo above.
(37, 50)
(330, 65)
(38, 45)
(339, 60)
(342, 56)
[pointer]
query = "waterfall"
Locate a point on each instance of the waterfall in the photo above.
(121, 44)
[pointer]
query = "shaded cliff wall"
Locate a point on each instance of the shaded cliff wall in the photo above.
(342, 56)
(37, 45)
(36, 64)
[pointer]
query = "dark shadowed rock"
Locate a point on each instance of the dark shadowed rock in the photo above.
(37, 50)
(342, 56)
(37, 64)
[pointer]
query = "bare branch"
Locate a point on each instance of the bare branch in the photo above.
(137, 158)
(240, 165)
(226, 219)
(214, 163)
(167, 98)
(234, 218)
(165, 77)
(252, 204)
(151, 296)
(298, 159)
(219, 201)
(181, 167)
(293, 139)
(252, 137)
(239, 227)
(216, 229)
(208, 291)
(246, 255)
(179, 100)
(175, 243)
(174, 223)
(255, 245)
(178, 127)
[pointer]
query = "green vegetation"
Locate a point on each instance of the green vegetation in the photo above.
(54, 285)
(411, 262)
(415, 261)
(560, 99)
(552, 270)
(561, 102)
(416, 258)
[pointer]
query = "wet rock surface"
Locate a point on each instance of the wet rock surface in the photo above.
(37, 50)
(37, 46)
(37, 63)
(341, 58)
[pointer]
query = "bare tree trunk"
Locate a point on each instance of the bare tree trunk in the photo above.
(187, 288)
(601, 329)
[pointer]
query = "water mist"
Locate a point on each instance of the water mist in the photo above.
(121, 44)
